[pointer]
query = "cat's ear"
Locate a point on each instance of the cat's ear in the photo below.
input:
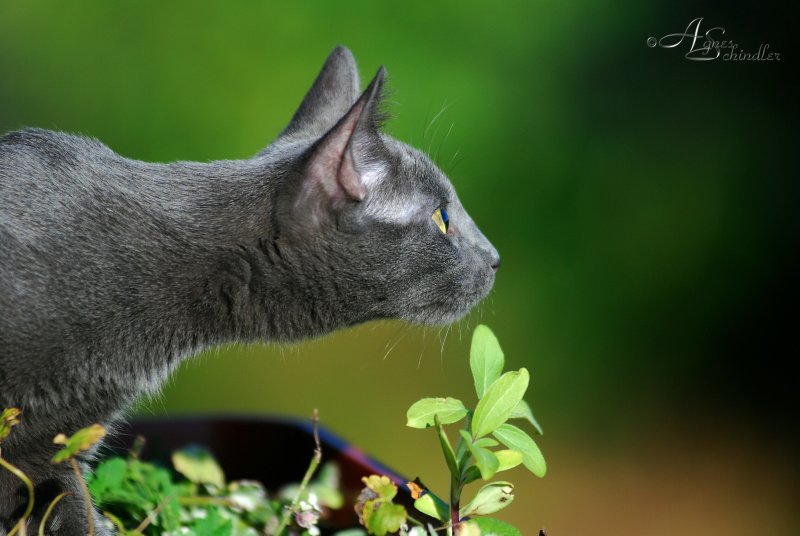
(333, 93)
(334, 171)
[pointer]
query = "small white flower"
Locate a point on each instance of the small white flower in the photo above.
(307, 520)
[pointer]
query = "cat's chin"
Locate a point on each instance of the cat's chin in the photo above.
(445, 312)
(441, 314)
(435, 318)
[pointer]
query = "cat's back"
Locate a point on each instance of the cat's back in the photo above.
(53, 184)
(39, 166)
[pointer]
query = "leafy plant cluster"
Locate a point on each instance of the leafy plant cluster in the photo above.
(476, 455)
(142, 499)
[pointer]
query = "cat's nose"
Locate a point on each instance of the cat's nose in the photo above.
(493, 256)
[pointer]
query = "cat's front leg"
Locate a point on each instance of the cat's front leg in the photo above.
(67, 518)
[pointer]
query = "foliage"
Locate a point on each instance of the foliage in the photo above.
(500, 398)
(141, 498)
(375, 508)
(8, 419)
(80, 441)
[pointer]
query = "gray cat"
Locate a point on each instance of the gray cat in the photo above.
(112, 271)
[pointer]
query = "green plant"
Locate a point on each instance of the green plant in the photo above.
(140, 498)
(80, 441)
(9, 419)
(500, 398)
(143, 499)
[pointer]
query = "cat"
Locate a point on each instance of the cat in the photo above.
(112, 270)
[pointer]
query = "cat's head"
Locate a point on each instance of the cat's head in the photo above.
(369, 221)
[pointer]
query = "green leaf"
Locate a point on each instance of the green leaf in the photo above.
(485, 442)
(495, 527)
(514, 438)
(8, 419)
(247, 495)
(471, 474)
(199, 466)
(423, 412)
(386, 517)
(485, 359)
(462, 452)
(485, 459)
(447, 449)
(82, 440)
(325, 487)
(523, 411)
(490, 498)
(375, 508)
(213, 524)
(108, 475)
(499, 401)
(469, 528)
(429, 505)
(383, 488)
(508, 459)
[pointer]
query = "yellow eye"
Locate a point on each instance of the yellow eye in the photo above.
(441, 219)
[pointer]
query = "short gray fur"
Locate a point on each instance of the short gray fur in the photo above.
(113, 270)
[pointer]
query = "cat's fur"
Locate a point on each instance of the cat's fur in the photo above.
(113, 270)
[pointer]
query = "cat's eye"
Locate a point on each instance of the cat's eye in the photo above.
(441, 219)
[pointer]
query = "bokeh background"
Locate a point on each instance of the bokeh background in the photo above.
(642, 203)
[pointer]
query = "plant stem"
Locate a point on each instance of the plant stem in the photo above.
(87, 501)
(455, 499)
(152, 515)
(201, 500)
(28, 484)
(50, 510)
(117, 523)
(312, 467)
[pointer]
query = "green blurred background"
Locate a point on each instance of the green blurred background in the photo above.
(641, 202)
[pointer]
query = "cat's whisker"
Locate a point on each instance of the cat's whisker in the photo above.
(429, 150)
(444, 140)
(469, 320)
(441, 342)
(441, 350)
(425, 343)
(452, 165)
(402, 329)
(444, 108)
(463, 325)
(433, 121)
(426, 125)
(385, 355)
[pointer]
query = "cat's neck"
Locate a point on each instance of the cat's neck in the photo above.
(239, 282)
